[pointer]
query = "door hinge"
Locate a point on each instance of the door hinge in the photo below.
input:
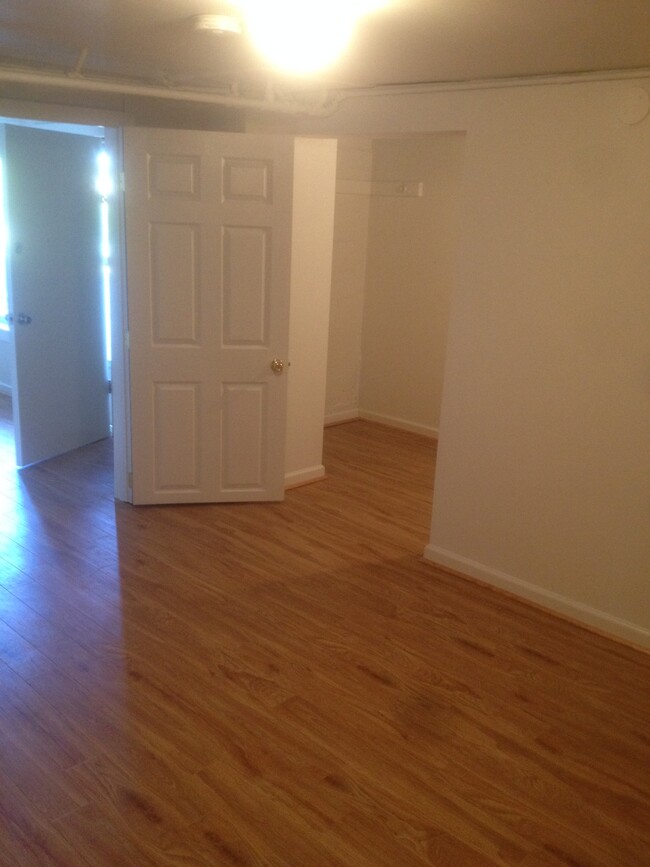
(129, 480)
(109, 387)
(122, 182)
(127, 339)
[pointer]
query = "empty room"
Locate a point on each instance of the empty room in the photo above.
(324, 433)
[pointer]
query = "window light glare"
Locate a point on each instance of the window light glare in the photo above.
(105, 186)
(104, 179)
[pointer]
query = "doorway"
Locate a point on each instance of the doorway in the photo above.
(396, 241)
(247, 185)
(55, 349)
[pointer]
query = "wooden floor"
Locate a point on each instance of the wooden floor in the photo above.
(290, 684)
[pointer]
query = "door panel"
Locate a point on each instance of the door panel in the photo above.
(245, 295)
(176, 414)
(208, 223)
(174, 295)
(61, 391)
(242, 464)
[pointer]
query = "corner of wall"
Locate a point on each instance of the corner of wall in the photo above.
(311, 277)
(602, 621)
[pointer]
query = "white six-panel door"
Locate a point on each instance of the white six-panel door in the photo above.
(208, 238)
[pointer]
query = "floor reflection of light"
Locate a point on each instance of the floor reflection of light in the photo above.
(63, 657)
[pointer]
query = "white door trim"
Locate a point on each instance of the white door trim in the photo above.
(121, 390)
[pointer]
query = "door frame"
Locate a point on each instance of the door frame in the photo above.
(119, 338)
(120, 384)
(303, 459)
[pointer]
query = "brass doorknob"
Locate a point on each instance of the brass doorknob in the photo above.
(277, 365)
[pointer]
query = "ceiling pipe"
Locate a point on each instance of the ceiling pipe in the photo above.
(271, 102)
(75, 81)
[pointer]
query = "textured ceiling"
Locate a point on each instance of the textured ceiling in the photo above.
(408, 41)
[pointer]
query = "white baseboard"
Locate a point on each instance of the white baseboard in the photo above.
(576, 611)
(400, 423)
(304, 477)
(341, 417)
(5, 389)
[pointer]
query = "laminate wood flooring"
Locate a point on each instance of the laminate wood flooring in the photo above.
(290, 684)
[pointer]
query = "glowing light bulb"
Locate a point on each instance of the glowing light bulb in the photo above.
(302, 36)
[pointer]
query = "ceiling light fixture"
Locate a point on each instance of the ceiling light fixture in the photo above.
(303, 36)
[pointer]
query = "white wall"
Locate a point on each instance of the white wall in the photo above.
(311, 277)
(543, 479)
(543, 485)
(409, 279)
(353, 174)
